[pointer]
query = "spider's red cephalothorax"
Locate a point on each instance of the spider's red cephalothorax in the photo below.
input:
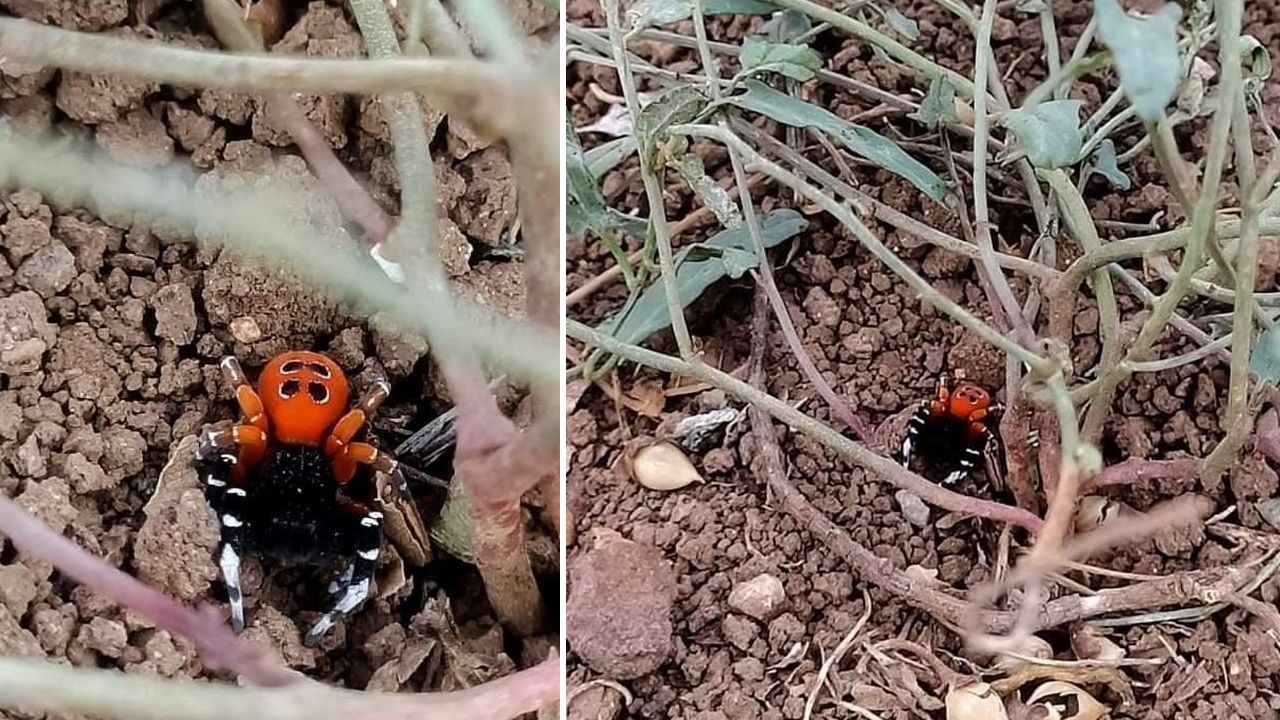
(954, 421)
(296, 452)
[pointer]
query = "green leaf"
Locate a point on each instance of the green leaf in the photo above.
(1050, 132)
(585, 208)
(1145, 52)
(1103, 162)
(861, 141)
(738, 7)
(666, 12)
(939, 104)
(698, 267)
(903, 25)
(1265, 361)
(785, 26)
(709, 191)
(658, 12)
(794, 61)
(607, 156)
(677, 105)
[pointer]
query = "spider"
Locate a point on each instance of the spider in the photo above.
(286, 482)
(954, 421)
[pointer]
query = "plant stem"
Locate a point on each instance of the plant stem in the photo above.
(36, 685)
(441, 33)
(1004, 299)
(709, 66)
(838, 406)
(886, 469)
(464, 83)
(652, 187)
(924, 66)
(1238, 422)
(926, 291)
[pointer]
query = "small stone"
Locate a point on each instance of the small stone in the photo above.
(739, 631)
(761, 597)
(175, 313)
(913, 508)
(106, 637)
(48, 271)
(619, 608)
(598, 702)
(86, 476)
(398, 351)
(347, 348)
(18, 587)
(21, 237)
(25, 333)
(245, 329)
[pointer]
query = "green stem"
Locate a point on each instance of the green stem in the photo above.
(888, 470)
(652, 186)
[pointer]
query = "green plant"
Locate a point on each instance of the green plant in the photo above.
(1053, 153)
(511, 94)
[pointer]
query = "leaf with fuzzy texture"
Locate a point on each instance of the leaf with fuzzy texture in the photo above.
(903, 25)
(939, 104)
(709, 191)
(859, 140)
(728, 254)
(1103, 163)
(1145, 52)
(794, 61)
(1265, 361)
(1050, 132)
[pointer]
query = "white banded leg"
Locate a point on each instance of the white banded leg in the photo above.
(354, 586)
(969, 459)
(229, 504)
(914, 428)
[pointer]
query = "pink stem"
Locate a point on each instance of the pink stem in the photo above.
(218, 645)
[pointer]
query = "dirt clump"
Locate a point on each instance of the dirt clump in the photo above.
(619, 612)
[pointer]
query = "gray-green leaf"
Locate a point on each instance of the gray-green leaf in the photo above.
(1050, 132)
(607, 156)
(666, 12)
(585, 208)
(709, 191)
(677, 105)
(785, 26)
(903, 25)
(1265, 361)
(861, 141)
(1146, 54)
(1103, 163)
(794, 61)
(939, 104)
(698, 267)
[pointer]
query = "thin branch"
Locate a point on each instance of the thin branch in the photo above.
(888, 470)
(38, 686)
(838, 406)
(219, 647)
(465, 83)
(652, 187)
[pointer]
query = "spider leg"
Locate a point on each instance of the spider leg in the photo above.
(354, 586)
(971, 455)
(217, 466)
(339, 440)
(914, 428)
(255, 425)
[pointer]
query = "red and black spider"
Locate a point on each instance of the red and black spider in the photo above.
(953, 423)
(286, 481)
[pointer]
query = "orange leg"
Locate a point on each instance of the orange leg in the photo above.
(939, 404)
(253, 446)
(339, 440)
(250, 443)
(359, 453)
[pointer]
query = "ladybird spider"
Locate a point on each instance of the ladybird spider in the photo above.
(955, 420)
(273, 479)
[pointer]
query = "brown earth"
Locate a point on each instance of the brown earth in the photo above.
(883, 351)
(110, 337)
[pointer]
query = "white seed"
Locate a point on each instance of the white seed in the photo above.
(1055, 693)
(663, 466)
(245, 329)
(977, 701)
